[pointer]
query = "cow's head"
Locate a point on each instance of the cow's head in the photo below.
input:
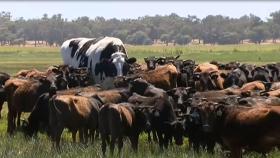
(180, 96)
(142, 118)
(208, 115)
(262, 74)
(117, 65)
(138, 85)
(151, 62)
(121, 62)
(247, 69)
(233, 78)
(206, 81)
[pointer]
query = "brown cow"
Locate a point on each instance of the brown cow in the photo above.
(23, 99)
(39, 117)
(119, 120)
(164, 77)
(251, 128)
(206, 67)
(75, 113)
(10, 87)
(208, 77)
(24, 73)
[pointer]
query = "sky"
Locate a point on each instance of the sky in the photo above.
(125, 9)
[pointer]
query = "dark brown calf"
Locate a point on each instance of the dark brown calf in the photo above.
(119, 120)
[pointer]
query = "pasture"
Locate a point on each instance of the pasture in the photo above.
(13, 59)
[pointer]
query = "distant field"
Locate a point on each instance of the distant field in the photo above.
(13, 59)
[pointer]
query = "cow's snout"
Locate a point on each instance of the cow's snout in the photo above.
(52, 90)
(206, 128)
(148, 126)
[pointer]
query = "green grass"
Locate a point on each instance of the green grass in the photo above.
(13, 59)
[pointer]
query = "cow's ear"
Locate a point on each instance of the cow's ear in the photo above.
(131, 60)
(267, 85)
(196, 76)
(214, 76)
(55, 70)
(188, 89)
(146, 60)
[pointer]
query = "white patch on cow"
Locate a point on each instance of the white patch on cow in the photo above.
(118, 59)
(93, 53)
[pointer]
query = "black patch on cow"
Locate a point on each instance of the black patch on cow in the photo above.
(74, 44)
(110, 49)
(82, 52)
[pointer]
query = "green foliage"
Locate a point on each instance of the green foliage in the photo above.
(183, 39)
(139, 37)
(169, 28)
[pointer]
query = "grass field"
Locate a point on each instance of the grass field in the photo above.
(13, 59)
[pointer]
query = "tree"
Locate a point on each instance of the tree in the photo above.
(182, 39)
(139, 37)
(258, 34)
(228, 38)
(165, 38)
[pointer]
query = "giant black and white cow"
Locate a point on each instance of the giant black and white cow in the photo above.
(105, 56)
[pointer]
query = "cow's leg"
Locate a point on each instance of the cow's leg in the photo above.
(18, 119)
(155, 138)
(10, 118)
(86, 134)
(120, 144)
(81, 135)
(58, 135)
(104, 139)
(74, 132)
(96, 136)
(134, 142)
(236, 152)
(160, 139)
(210, 146)
(112, 143)
(149, 137)
(10, 122)
(92, 135)
(1, 106)
(166, 139)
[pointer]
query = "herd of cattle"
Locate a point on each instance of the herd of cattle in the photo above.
(235, 105)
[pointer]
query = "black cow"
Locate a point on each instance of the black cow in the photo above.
(236, 77)
(3, 77)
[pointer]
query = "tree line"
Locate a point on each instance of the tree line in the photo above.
(213, 29)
